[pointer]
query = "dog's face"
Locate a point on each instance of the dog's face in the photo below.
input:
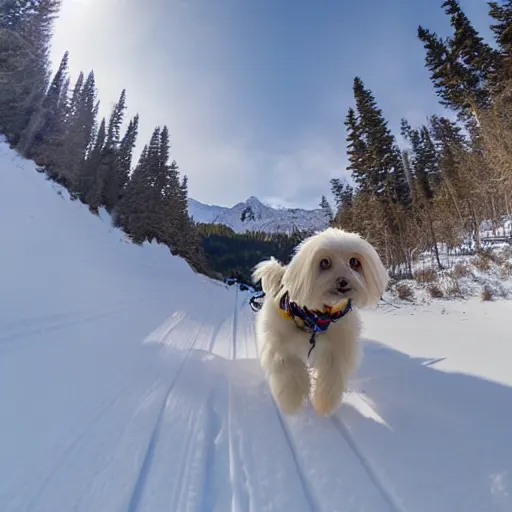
(332, 265)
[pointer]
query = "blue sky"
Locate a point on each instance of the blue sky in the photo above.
(255, 92)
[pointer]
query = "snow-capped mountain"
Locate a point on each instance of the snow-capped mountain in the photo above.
(253, 215)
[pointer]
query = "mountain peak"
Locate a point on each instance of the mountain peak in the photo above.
(253, 200)
(261, 218)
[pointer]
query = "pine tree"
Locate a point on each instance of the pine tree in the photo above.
(343, 196)
(109, 168)
(363, 141)
(377, 158)
(357, 154)
(449, 143)
(337, 191)
(166, 174)
(347, 197)
(463, 173)
(462, 67)
(424, 159)
(502, 28)
(90, 181)
(131, 212)
(155, 204)
(158, 178)
(54, 92)
(81, 125)
(383, 192)
(140, 210)
(46, 122)
(448, 139)
(115, 121)
(25, 32)
(87, 113)
(469, 46)
(189, 243)
(125, 155)
(175, 201)
(424, 164)
(76, 96)
(326, 208)
(54, 155)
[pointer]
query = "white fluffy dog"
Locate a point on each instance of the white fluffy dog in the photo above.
(330, 271)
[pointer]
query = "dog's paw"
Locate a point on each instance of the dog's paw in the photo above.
(290, 401)
(290, 385)
(325, 404)
(330, 385)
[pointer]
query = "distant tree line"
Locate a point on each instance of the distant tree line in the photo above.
(235, 254)
(456, 171)
(55, 123)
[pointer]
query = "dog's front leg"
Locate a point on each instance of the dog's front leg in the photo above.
(288, 381)
(330, 382)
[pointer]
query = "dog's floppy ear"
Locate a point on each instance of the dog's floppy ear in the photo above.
(375, 274)
(270, 273)
(300, 275)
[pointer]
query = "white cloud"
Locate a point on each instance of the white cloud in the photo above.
(305, 174)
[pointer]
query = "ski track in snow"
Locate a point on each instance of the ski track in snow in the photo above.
(146, 463)
(235, 325)
(395, 506)
(309, 495)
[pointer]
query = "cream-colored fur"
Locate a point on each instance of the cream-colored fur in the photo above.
(283, 347)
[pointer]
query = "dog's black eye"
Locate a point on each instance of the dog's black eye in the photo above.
(354, 263)
(325, 264)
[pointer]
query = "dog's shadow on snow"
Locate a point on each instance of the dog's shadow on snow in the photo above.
(450, 432)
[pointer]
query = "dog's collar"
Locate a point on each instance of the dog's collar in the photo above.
(315, 322)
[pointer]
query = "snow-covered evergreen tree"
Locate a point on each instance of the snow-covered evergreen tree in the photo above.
(25, 33)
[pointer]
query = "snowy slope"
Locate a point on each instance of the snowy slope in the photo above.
(128, 383)
(259, 217)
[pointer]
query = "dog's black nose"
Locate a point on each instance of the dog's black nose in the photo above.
(342, 283)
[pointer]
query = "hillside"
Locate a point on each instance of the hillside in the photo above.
(253, 215)
(129, 383)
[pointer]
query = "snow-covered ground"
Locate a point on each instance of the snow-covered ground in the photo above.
(486, 275)
(504, 228)
(129, 383)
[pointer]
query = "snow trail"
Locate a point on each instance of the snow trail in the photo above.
(129, 383)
